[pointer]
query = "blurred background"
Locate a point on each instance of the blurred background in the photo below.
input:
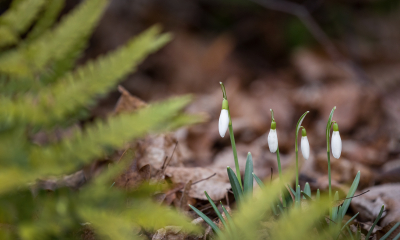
(341, 53)
(292, 57)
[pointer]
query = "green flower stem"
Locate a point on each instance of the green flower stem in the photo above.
(278, 158)
(232, 137)
(297, 163)
(296, 147)
(234, 151)
(328, 133)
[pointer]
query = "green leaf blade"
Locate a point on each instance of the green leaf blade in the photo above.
(237, 190)
(216, 209)
(350, 194)
(248, 176)
(206, 219)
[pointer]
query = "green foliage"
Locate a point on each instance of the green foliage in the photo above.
(17, 20)
(40, 93)
(257, 218)
(375, 222)
(248, 176)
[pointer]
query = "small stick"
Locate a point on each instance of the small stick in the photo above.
(165, 164)
(178, 189)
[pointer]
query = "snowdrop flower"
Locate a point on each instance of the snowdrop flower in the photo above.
(305, 146)
(273, 138)
(223, 118)
(336, 143)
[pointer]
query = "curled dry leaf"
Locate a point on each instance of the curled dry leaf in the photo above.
(216, 186)
(369, 204)
(159, 151)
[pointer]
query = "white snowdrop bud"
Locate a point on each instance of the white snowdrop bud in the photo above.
(223, 118)
(273, 138)
(305, 146)
(336, 143)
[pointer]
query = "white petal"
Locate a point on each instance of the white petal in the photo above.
(336, 144)
(223, 122)
(305, 147)
(272, 140)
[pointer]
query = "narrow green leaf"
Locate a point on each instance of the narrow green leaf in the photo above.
(350, 233)
(339, 217)
(307, 190)
(237, 190)
(390, 231)
(258, 180)
(358, 234)
(397, 237)
(292, 190)
(206, 219)
(216, 209)
(297, 196)
(375, 222)
(306, 196)
(347, 223)
(228, 216)
(336, 208)
(350, 194)
(248, 176)
(318, 197)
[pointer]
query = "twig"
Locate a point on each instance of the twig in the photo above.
(342, 200)
(330, 220)
(304, 15)
(178, 189)
(165, 164)
(357, 195)
(204, 179)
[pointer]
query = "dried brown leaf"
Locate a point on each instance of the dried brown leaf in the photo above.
(127, 102)
(216, 186)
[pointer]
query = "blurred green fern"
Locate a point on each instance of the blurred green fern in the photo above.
(39, 92)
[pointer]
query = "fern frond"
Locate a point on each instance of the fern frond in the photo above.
(85, 146)
(17, 20)
(49, 16)
(33, 57)
(76, 89)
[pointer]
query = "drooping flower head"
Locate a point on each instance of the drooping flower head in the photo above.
(223, 118)
(336, 143)
(273, 138)
(305, 146)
